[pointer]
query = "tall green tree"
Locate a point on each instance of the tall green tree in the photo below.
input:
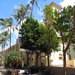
(3, 23)
(52, 39)
(20, 15)
(29, 35)
(74, 23)
(4, 35)
(48, 42)
(64, 26)
(7, 27)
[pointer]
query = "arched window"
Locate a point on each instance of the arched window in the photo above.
(60, 57)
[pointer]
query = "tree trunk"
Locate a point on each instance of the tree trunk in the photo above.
(48, 60)
(64, 60)
(2, 50)
(32, 8)
(69, 55)
(27, 58)
(2, 64)
(37, 59)
(10, 37)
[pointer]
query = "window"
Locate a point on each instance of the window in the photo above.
(60, 57)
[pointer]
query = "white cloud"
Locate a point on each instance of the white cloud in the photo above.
(65, 3)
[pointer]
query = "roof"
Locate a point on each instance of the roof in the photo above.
(55, 5)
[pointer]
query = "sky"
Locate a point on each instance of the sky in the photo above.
(7, 9)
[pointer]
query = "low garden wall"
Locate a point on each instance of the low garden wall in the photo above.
(59, 71)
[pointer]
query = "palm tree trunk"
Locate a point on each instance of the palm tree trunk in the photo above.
(2, 49)
(21, 22)
(2, 56)
(32, 2)
(10, 37)
(18, 46)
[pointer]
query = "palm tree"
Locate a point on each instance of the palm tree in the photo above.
(3, 42)
(4, 38)
(11, 28)
(31, 5)
(9, 24)
(20, 15)
(3, 23)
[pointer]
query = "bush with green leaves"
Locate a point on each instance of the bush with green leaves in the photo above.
(13, 56)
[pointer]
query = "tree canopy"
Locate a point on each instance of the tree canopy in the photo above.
(65, 27)
(29, 34)
(35, 36)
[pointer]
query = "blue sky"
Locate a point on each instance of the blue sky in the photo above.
(7, 8)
